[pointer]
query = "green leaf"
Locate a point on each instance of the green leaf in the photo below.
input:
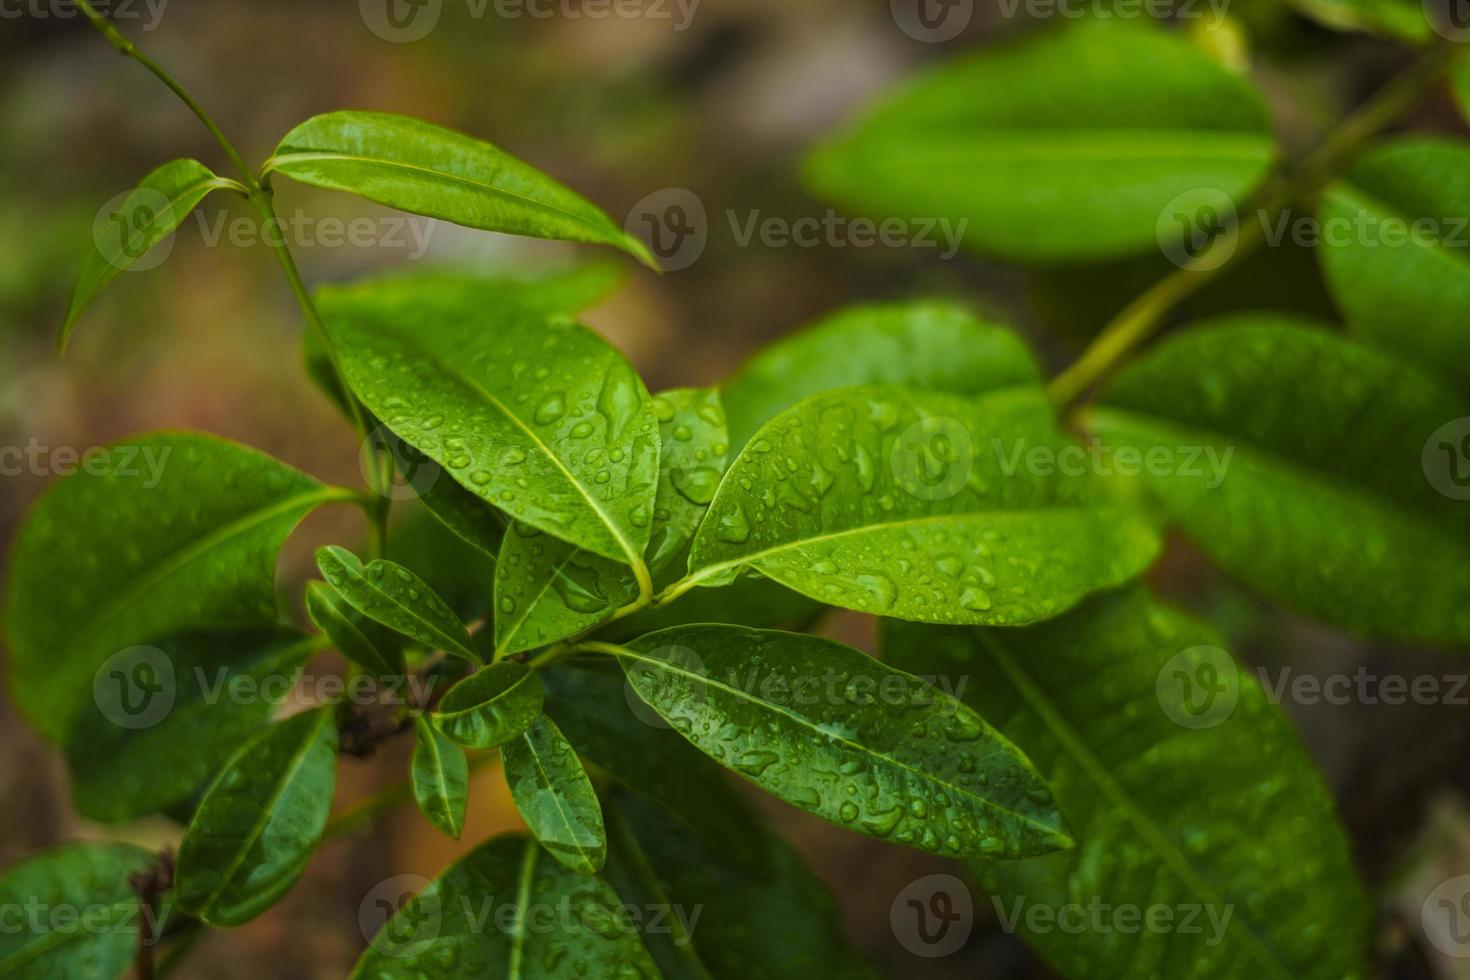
(840, 735)
(472, 922)
(534, 414)
(146, 216)
(440, 777)
(1404, 19)
(1298, 461)
(468, 517)
(919, 506)
(595, 709)
(392, 595)
(1184, 786)
(460, 573)
(933, 346)
(168, 715)
(554, 796)
(768, 918)
(547, 590)
(89, 878)
(1403, 289)
(154, 536)
(358, 638)
(492, 706)
(1069, 144)
(750, 600)
(259, 822)
(419, 167)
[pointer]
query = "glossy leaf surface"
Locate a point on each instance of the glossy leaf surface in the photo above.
(440, 777)
(492, 706)
(840, 735)
(390, 594)
(555, 797)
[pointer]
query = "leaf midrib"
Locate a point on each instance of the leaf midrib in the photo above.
(1134, 813)
(523, 894)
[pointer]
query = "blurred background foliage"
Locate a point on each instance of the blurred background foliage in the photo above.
(617, 109)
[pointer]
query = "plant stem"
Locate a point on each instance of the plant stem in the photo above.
(1144, 317)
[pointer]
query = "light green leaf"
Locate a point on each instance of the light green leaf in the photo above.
(1069, 144)
(84, 876)
(416, 166)
(1403, 286)
(168, 716)
(534, 414)
(1184, 787)
(472, 922)
(920, 506)
(1404, 19)
(440, 777)
(766, 918)
(392, 595)
(1300, 462)
(259, 822)
(156, 535)
(492, 706)
(547, 590)
(554, 796)
(146, 216)
(834, 732)
(932, 346)
(361, 640)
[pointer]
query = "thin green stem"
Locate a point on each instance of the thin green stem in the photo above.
(1145, 316)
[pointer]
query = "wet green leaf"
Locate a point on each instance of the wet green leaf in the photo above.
(416, 166)
(154, 536)
(1067, 144)
(474, 920)
(932, 346)
(921, 506)
(492, 706)
(361, 640)
(1305, 465)
(547, 590)
(259, 821)
(440, 777)
(1397, 18)
(555, 797)
(836, 733)
(89, 878)
(1184, 787)
(146, 216)
(392, 595)
(534, 414)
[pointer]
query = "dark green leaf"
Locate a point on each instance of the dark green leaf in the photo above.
(462, 574)
(361, 640)
(1398, 18)
(168, 715)
(492, 706)
(472, 520)
(89, 878)
(920, 506)
(146, 216)
(1405, 289)
(390, 594)
(1184, 787)
(155, 536)
(840, 735)
(534, 414)
(440, 777)
(416, 166)
(933, 346)
(1299, 462)
(475, 920)
(260, 821)
(554, 796)
(1067, 144)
